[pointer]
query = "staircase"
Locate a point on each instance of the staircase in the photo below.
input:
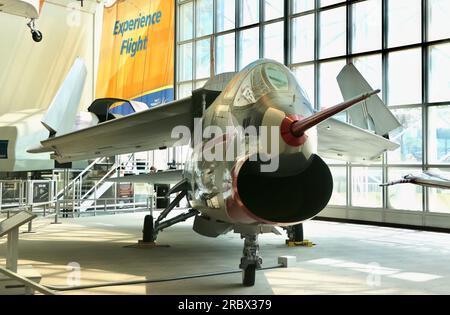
(92, 183)
(95, 183)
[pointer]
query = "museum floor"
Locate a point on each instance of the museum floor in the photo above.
(348, 259)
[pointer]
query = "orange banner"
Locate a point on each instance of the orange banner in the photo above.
(137, 51)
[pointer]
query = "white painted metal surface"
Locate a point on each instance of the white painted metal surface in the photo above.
(26, 8)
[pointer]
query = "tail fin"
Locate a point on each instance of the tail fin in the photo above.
(61, 114)
(373, 113)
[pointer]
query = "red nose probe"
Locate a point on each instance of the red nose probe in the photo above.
(298, 128)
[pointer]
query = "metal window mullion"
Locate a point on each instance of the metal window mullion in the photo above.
(215, 11)
(385, 87)
(261, 28)
(194, 43)
(212, 43)
(349, 32)
(373, 52)
(287, 33)
(237, 24)
(384, 53)
(425, 99)
(175, 52)
(349, 187)
(385, 190)
(316, 53)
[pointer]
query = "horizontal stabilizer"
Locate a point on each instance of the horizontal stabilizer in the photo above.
(372, 114)
(166, 177)
(298, 128)
(62, 112)
(341, 141)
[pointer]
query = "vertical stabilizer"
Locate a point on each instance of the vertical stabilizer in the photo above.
(373, 113)
(61, 114)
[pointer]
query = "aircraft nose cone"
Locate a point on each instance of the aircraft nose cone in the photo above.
(287, 134)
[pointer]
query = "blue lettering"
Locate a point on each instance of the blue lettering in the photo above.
(124, 46)
(136, 23)
(116, 28)
(158, 17)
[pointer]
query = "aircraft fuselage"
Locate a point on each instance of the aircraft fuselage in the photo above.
(247, 169)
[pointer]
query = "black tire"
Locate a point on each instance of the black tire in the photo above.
(37, 36)
(248, 276)
(298, 233)
(148, 231)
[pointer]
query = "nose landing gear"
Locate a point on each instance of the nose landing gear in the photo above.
(251, 261)
(35, 33)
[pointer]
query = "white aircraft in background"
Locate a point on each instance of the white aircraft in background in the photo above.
(427, 179)
(27, 128)
(237, 193)
(23, 129)
(30, 9)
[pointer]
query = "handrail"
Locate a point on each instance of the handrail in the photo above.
(113, 169)
(27, 282)
(116, 166)
(84, 172)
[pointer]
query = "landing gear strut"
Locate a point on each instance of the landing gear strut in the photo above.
(35, 33)
(251, 261)
(152, 228)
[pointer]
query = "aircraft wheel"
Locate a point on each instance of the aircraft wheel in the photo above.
(37, 36)
(248, 276)
(298, 233)
(148, 231)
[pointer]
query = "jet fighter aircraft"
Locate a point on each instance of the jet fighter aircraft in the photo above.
(257, 148)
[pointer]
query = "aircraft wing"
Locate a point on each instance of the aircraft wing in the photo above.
(341, 141)
(166, 177)
(143, 131)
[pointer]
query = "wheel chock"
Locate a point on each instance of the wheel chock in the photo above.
(146, 245)
(304, 243)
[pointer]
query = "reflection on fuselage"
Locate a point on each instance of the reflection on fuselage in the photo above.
(246, 172)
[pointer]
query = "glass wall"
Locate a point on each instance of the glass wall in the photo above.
(401, 46)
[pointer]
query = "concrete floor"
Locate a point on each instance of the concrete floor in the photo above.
(348, 259)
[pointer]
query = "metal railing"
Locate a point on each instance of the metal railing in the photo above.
(70, 209)
(101, 181)
(17, 195)
(79, 178)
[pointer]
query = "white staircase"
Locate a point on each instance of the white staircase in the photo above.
(92, 183)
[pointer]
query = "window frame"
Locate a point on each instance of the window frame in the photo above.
(424, 45)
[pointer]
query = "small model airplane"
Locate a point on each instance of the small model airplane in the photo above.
(257, 147)
(30, 9)
(427, 179)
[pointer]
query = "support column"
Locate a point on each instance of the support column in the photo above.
(12, 250)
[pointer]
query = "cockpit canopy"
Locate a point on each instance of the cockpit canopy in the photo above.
(258, 79)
